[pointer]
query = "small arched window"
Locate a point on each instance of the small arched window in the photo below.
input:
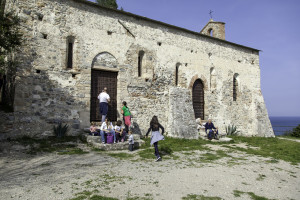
(211, 32)
(235, 87)
(177, 73)
(140, 62)
(70, 47)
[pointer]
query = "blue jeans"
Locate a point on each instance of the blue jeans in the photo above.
(102, 133)
(156, 149)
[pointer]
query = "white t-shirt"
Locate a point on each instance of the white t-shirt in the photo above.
(103, 97)
(117, 128)
(103, 126)
(130, 139)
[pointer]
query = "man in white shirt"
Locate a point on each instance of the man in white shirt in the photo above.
(103, 99)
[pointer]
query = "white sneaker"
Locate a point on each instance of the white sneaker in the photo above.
(158, 159)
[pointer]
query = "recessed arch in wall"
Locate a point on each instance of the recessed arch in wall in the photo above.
(70, 41)
(235, 85)
(213, 78)
(198, 98)
(105, 59)
(140, 62)
(210, 32)
(177, 73)
(104, 73)
(203, 79)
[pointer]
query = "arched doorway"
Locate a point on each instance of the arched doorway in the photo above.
(103, 74)
(198, 99)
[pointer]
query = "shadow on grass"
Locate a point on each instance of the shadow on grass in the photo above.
(63, 145)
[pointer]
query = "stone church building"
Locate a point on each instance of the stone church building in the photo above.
(72, 49)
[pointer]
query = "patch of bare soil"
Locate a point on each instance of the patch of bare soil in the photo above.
(216, 172)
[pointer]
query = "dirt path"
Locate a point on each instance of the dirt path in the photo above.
(52, 176)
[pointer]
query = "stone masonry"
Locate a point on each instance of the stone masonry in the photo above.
(48, 92)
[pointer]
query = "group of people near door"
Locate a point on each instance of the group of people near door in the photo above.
(108, 129)
(119, 132)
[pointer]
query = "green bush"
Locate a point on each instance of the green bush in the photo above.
(296, 132)
(60, 130)
(231, 130)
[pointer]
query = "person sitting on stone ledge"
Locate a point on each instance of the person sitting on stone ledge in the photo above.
(200, 124)
(106, 128)
(93, 129)
(120, 132)
(213, 131)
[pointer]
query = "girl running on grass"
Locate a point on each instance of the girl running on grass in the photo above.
(156, 135)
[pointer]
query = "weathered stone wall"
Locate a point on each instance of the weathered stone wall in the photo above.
(47, 92)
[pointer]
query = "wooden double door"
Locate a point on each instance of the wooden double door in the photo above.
(99, 80)
(198, 99)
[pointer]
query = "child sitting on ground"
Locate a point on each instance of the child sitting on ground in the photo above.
(130, 141)
(93, 129)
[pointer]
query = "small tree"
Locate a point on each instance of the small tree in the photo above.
(108, 3)
(10, 39)
(296, 132)
(10, 36)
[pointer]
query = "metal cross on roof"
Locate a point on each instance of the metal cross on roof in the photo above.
(210, 13)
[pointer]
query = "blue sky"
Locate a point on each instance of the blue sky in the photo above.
(272, 26)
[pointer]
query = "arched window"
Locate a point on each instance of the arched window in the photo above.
(70, 46)
(140, 63)
(177, 73)
(211, 32)
(198, 98)
(235, 87)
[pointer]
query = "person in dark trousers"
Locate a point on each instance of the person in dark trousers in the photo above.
(213, 131)
(103, 105)
(156, 135)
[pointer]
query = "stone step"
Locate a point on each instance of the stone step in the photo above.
(96, 142)
(135, 136)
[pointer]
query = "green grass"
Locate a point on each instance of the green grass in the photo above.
(81, 197)
(98, 197)
(199, 197)
(253, 196)
(275, 148)
(97, 149)
(139, 198)
(90, 196)
(170, 145)
(288, 137)
(261, 177)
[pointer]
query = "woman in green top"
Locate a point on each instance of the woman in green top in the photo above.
(126, 116)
